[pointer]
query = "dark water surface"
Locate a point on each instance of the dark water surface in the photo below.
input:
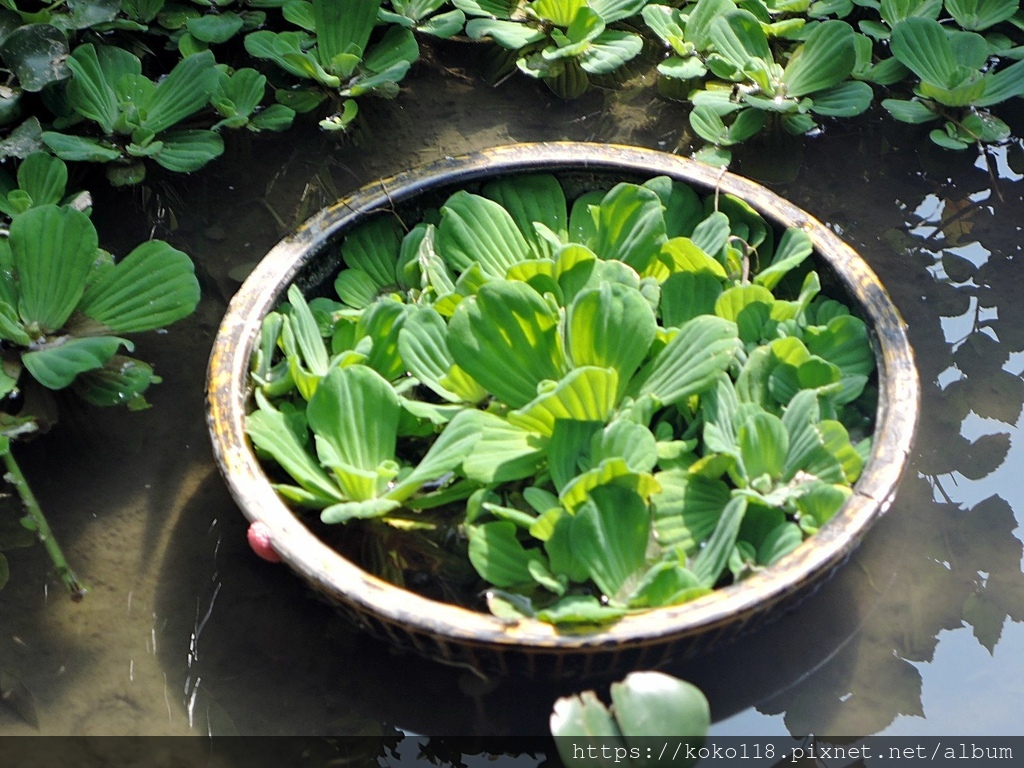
(184, 630)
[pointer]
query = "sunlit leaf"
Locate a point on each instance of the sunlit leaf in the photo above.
(498, 556)
(585, 394)
(691, 361)
(529, 199)
(609, 536)
(630, 226)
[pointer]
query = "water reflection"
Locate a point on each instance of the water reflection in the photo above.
(186, 631)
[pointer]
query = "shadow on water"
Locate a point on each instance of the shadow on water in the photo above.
(186, 631)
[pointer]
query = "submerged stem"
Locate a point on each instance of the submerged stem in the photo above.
(43, 531)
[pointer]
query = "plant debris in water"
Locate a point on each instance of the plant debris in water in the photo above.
(609, 404)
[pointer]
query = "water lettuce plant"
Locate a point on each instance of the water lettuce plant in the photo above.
(562, 42)
(608, 403)
(337, 56)
(645, 705)
(65, 306)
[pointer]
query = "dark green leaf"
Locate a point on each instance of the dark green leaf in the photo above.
(55, 367)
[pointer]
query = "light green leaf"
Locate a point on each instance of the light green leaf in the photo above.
(79, 149)
(152, 287)
(585, 394)
(609, 537)
(923, 46)
(712, 233)
(503, 451)
(475, 229)
(511, 35)
(735, 300)
(819, 503)
(356, 412)
(586, 610)
(764, 443)
(652, 704)
(978, 15)
(611, 326)
(630, 226)
(357, 510)
(826, 58)
(616, 10)
(506, 338)
(686, 295)
(687, 509)
(609, 51)
(846, 99)
(529, 199)
(713, 558)
(56, 366)
(793, 249)
(374, 248)
(498, 556)
(691, 361)
(738, 37)
(121, 381)
(843, 342)
(633, 443)
(53, 250)
(395, 52)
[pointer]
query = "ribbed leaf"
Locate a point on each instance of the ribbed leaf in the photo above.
(826, 58)
(343, 27)
(397, 49)
(121, 381)
(43, 177)
(497, 555)
(691, 361)
(630, 226)
(843, 342)
(79, 149)
(447, 453)
(374, 248)
(922, 45)
(585, 394)
(611, 326)
(764, 443)
(843, 100)
(55, 367)
(530, 199)
(736, 299)
(506, 337)
(503, 451)
(633, 443)
(285, 438)
(713, 558)
(475, 229)
(53, 249)
(738, 38)
(609, 51)
(423, 345)
(615, 10)
(184, 91)
(186, 151)
(685, 295)
(794, 247)
(90, 93)
(356, 412)
(981, 14)
(687, 509)
(152, 287)
(609, 536)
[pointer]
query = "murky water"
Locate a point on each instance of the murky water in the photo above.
(184, 631)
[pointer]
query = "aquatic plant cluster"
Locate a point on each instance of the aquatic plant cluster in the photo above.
(608, 403)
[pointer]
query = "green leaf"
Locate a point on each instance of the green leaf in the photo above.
(843, 100)
(793, 249)
(215, 28)
(285, 438)
(581, 609)
(687, 509)
(633, 443)
(186, 151)
(630, 226)
(609, 536)
(616, 10)
(276, 117)
(422, 343)
(909, 111)
(713, 558)
(43, 177)
(121, 381)
(355, 411)
(395, 52)
(36, 53)
(89, 91)
(653, 704)
(343, 27)
(503, 451)
(447, 453)
(506, 338)
(826, 58)
(511, 35)
(152, 287)
(53, 250)
(1002, 85)
(764, 443)
(978, 15)
(843, 342)
(691, 361)
(530, 199)
(819, 503)
(373, 248)
(738, 37)
(475, 229)
(79, 148)
(585, 394)
(57, 365)
(609, 51)
(611, 326)
(732, 303)
(498, 556)
(184, 91)
(686, 295)
(923, 46)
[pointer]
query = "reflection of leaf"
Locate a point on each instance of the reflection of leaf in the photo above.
(957, 220)
(985, 455)
(998, 395)
(17, 697)
(985, 619)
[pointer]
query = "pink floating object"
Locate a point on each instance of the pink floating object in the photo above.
(259, 539)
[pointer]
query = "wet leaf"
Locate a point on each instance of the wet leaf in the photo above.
(36, 54)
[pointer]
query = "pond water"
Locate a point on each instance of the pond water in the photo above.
(185, 631)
